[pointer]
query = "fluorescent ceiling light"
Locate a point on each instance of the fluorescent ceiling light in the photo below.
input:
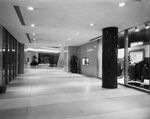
(42, 50)
(30, 8)
(122, 4)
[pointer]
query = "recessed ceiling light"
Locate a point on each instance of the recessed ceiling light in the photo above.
(32, 25)
(91, 24)
(30, 8)
(122, 4)
(77, 33)
(33, 34)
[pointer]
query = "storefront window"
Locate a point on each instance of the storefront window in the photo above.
(121, 58)
(139, 66)
(120, 66)
(139, 60)
(134, 58)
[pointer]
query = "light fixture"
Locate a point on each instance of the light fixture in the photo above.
(91, 24)
(32, 25)
(122, 4)
(77, 33)
(34, 39)
(33, 34)
(30, 8)
(147, 26)
(136, 29)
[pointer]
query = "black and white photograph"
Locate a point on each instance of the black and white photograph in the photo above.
(74, 59)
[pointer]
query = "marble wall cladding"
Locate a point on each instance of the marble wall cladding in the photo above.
(1, 55)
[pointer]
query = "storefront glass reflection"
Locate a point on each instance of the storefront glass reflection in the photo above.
(120, 65)
(134, 58)
(139, 66)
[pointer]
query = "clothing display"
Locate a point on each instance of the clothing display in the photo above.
(139, 71)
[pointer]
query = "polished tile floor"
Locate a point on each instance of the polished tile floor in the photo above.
(48, 93)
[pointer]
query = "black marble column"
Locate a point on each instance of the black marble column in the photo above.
(109, 57)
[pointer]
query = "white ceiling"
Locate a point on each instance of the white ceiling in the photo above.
(58, 20)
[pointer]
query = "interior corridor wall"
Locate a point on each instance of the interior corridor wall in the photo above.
(99, 53)
(12, 55)
(89, 51)
(61, 59)
(1, 58)
(66, 59)
(72, 50)
(21, 58)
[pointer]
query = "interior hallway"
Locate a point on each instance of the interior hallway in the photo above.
(48, 93)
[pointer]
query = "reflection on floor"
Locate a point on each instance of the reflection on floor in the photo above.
(48, 93)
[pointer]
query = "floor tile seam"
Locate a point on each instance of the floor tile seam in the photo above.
(88, 99)
(122, 109)
(48, 94)
(14, 97)
(96, 99)
(75, 102)
(14, 108)
(117, 111)
(130, 108)
(61, 102)
(52, 104)
(126, 96)
(123, 96)
(27, 110)
(99, 114)
(20, 100)
(112, 99)
(78, 108)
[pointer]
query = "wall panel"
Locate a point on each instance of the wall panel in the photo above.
(1, 56)
(89, 51)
